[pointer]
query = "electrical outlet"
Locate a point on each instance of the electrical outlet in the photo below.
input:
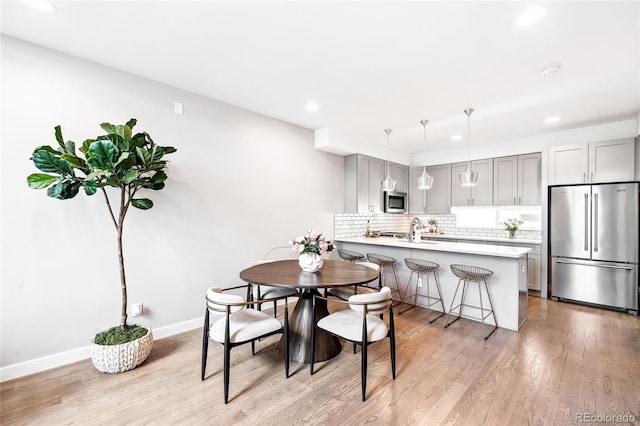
(419, 282)
(138, 310)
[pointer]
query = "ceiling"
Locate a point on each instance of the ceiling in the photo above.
(368, 65)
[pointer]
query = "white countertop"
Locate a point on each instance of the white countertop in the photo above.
(467, 248)
(492, 239)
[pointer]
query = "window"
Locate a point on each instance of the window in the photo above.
(490, 217)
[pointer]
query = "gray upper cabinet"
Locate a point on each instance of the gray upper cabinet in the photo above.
(363, 177)
(417, 197)
(362, 184)
(517, 180)
(438, 198)
(399, 173)
(480, 194)
(593, 162)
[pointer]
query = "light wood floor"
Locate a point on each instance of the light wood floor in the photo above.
(566, 359)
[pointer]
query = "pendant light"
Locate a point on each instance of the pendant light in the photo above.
(388, 184)
(468, 177)
(425, 180)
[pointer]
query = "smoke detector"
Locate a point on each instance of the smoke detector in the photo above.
(550, 70)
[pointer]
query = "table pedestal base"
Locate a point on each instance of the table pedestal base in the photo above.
(327, 346)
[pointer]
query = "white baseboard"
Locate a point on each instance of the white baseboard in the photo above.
(63, 358)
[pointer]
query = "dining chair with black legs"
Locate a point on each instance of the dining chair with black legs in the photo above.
(228, 322)
(361, 325)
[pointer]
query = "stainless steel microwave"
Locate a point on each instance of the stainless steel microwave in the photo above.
(395, 202)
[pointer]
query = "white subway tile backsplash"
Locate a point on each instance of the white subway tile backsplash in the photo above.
(354, 225)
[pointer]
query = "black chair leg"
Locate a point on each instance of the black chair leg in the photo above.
(253, 347)
(227, 362)
(205, 343)
(275, 308)
(392, 342)
(363, 372)
(286, 340)
(313, 339)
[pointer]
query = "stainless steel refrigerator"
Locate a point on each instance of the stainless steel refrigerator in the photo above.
(593, 234)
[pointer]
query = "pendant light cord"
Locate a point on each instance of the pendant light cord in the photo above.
(468, 111)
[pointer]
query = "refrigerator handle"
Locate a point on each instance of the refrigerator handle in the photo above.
(586, 222)
(595, 222)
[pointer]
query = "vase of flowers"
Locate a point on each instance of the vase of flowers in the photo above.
(511, 225)
(433, 225)
(309, 248)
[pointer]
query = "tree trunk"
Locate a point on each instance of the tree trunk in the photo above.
(123, 279)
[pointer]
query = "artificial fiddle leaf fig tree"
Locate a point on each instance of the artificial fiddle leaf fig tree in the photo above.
(118, 159)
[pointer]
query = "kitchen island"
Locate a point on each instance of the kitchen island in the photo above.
(508, 285)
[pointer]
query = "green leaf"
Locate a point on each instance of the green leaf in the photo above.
(158, 177)
(90, 186)
(142, 203)
(122, 157)
(157, 152)
(101, 154)
(169, 149)
(124, 132)
(143, 155)
(59, 135)
(48, 162)
(130, 176)
(41, 180)
(76, 162)
(70, 147)
(64, 190)
(46, 148)
(131, 123)
(108, 127)
(85, 146)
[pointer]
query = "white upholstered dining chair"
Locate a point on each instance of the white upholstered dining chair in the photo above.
(361, 325)
(228, 322)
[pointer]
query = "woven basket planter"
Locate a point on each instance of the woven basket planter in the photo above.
(124, 357)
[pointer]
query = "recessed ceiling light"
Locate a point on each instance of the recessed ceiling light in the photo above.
(43, 5)
(553, 119)
(311, 107)
(550, 70)
(456, 137)
(531, 16)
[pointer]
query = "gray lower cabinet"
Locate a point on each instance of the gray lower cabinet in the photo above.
(533, 265)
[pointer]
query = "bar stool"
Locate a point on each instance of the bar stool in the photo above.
(351, 256)
(386, 262)
(424, 267)
(467, 273)
(345, 292)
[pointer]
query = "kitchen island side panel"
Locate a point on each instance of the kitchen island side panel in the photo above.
(508, 284)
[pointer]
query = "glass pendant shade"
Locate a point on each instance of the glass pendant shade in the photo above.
(425, 181)
(388, 184)
(468, 177)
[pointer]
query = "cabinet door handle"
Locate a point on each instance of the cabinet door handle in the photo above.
(514, 201)
(520, 199)
(591, 176)
(584, 177)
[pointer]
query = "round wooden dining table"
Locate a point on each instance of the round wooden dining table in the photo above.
(334, 273)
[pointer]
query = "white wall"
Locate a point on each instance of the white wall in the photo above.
(240, 184)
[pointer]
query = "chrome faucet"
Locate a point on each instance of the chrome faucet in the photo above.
(413, 226)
